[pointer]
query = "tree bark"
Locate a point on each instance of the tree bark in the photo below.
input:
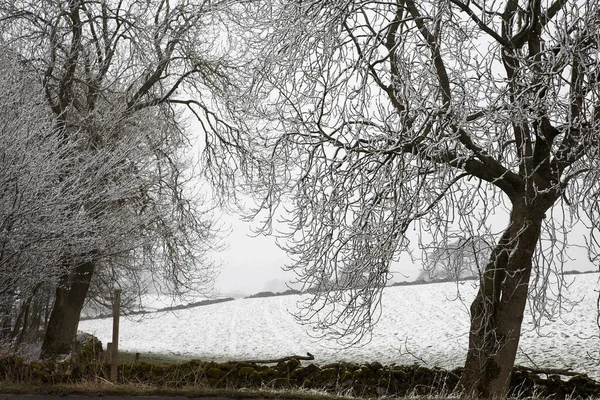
(497, 311)
(6, 323)
(64, 318)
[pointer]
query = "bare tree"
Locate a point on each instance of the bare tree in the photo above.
(115, 75)
(457, 259)
(376, 118)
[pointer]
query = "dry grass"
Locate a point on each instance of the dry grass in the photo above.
(102, 387)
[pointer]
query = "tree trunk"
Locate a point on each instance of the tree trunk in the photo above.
(36, 316)
(497, 311)
(64, 318)
(6, 323)
(24, 316)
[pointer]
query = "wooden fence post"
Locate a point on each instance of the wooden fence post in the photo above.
(115, 336)
(75, 353)
(108, 353)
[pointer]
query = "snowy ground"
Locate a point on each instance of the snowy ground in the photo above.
(424, 323)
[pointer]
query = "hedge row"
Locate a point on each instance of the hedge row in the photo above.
(362, 380)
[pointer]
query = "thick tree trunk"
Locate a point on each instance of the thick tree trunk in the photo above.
(497, 311)
(64, 318)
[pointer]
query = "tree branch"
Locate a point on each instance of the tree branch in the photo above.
(307, 357)
(438, 62)
(480, 23)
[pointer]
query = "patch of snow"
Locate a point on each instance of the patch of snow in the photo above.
(427, 324)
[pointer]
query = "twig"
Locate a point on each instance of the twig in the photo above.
(529, 358)
(410, 353)
(105, 380)
(307, 357)
(552, 371)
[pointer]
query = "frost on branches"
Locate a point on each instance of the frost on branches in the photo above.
(96, 194)
(372, 119)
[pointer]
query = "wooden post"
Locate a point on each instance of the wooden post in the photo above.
(108, 353)
(75, 353)
(115, 336)
(137, 358)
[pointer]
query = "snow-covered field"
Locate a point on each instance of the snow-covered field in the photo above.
(422, 323)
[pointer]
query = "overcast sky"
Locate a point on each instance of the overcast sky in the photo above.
(250, 264)
(253, 264)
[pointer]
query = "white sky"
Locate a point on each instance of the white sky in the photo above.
(252, 264)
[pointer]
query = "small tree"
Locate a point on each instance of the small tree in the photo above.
(459, 259)
(373, 118)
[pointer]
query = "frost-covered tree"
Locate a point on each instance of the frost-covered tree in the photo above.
(32, 203)
(373, 119)
(457, 259)
(114, 76)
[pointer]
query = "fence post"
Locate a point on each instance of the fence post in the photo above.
(108, 353)
(75, 353)
(115, 336)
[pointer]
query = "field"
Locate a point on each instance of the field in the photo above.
(427, 324)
